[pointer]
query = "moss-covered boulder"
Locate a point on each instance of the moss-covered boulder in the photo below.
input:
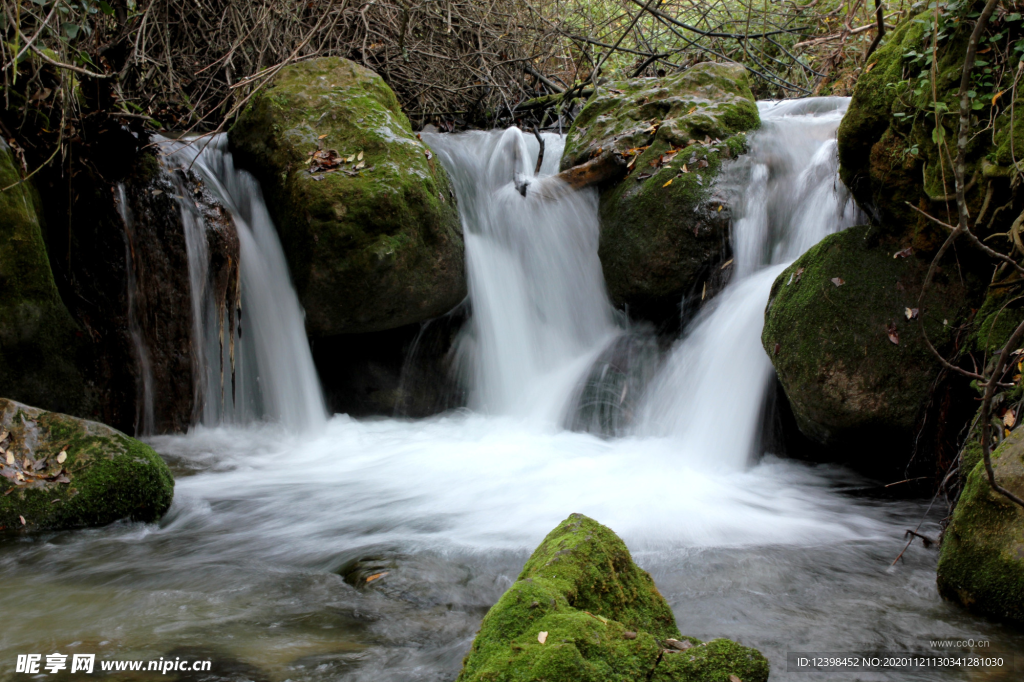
(39, 341)
(843, 330)
(366, 214)
(582, 611)
(889, 141)
(659, 241)
(59, 472)
(981, 564)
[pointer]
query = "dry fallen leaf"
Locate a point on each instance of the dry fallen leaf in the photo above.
(543, 636)
(359, 156)
(733, 678)
(667, 183)
(376, 576)
(997, 96)
(905, 253)
(704, 292)
(838, 281)
(22, 520)
(693, 109)
(1009, 418)
(62, 457)
(685, 169)
(893, 334)
(10, 458)
(322, 136)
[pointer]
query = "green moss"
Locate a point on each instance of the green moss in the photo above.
(849, 385)
(603, 617)
(38, 339)
(369, 250)
(657, 242)
(981, 564)
(110, 475)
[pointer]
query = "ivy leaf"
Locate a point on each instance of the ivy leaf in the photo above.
(70, 29)
(106, 8)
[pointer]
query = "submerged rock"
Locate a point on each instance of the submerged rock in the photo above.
(660, 243)
(843, 330)
(981, 564)
(581, 610)
(61, 472)
(40, 344)
(366, 214)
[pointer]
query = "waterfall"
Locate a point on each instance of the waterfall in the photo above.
(253, 362)
(540, 310)
(786, 197)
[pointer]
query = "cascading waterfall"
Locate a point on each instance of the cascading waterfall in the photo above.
(258, 366)
(540, 311)
(787, 197)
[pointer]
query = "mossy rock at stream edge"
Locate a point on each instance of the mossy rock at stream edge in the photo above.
(887, 151)
(39, 341)
(659, 244)
(981, 564)
(372, 248)
(105, 476)
(851, 388)
(604, 618)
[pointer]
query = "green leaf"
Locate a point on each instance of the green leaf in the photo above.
(70, 29)
(106, 8)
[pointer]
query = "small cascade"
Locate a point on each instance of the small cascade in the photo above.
(145, 411)
(540, 311)
(252, 357)
(787, 197)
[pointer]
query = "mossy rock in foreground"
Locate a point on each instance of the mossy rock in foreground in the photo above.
(374, 243)
(981, 565)
(602, 620)
(105, 475)
(852, 362)
(660, 243)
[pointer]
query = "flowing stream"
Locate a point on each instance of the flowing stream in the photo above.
(261, 563)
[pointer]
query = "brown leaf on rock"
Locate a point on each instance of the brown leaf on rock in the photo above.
(642, 176)
(703, 163)
(893, 333)
(1009, 418)
(911, 313)
(838, 281)
(542, 636)
(905, 253)
(733, 678)
(62, 457)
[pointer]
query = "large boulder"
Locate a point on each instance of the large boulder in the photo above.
(40, 344)
(60, 472)
(843, 330)
(981, 564)
(660, 243)
(582, 611)
(374, 242)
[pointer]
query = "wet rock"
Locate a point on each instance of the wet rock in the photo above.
(157, 206)
(659, 242)
(372, 235)
(570, 614)
(981, 564)
(59, 472)
(853, 364)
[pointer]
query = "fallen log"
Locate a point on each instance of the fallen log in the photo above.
(607, 167)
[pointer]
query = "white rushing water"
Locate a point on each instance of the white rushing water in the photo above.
(271, 374)
(540, 311)
(787, 197)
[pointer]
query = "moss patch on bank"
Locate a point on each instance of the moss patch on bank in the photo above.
(103, 476)
(981, 564)
(39, 341)
(582, 611)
